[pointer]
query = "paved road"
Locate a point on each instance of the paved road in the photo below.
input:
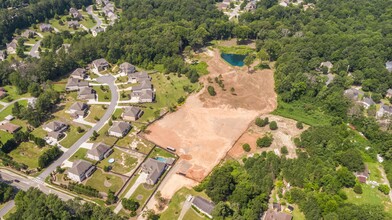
(96, 18)
(7, 208)
(34, 50)
(109, 80)
(235, 12)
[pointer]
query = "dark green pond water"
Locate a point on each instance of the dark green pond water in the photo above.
(234, 59)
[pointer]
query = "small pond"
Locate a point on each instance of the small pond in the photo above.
(234, 59)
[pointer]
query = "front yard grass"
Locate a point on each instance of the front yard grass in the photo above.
(79, 154)
(39, 132)
(117, 113)
(95, 111)
(192, 214)
(8, 110)
(28, 154)
(141, 194)
(72, 136)
(103, 95)
(123, 162)
(370, 196)
(12, 94)
(104, 181)
(5, 136)
(109, 140)
(87, 21)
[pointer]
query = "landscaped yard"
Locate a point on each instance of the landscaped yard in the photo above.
(160, 152)
(109, 140)
(141, 194)
(192, 214)
(104, 181)
(87, 22)
(72, 136)
(142, 146)
(117, 113)
(27, 153)
(13, 94)
(39, 132)
(103, 95)
(79, 154)
(8, 110)
(123, 162)
(370, 196)
(5, 136)
(95, 111)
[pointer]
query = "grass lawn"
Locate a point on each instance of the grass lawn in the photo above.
(117, 113)
(304, 112)
(5, 136)
(370, 196)
(192, 214)
(86, 21)
(200, 67)
(95, 111)
(125, 95)
(72, 137)
(375, 174)
(122, 79)
(59, 86)
(141, 194)
(39, 132)
(123, 162)
(103, 96)
(297, 214)
(109, 140)
(28, 154)
(130, 184)
(143, 146)
(79, 154)
(13, 94)
(33, 40)
(99, 178)
(8, 110)
(55, 23)
(239, 49)
(159, 152)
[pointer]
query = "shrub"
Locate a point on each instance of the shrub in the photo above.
(284, 150)
(79, 129)
(110, 122)
(299, 125)
(106, 168)
(246, 147)
(297, 142)
(130, 204)
(384, 189)
(211, 90)
(273, 125)
(262, 122)
(265, 141)
(358, 189)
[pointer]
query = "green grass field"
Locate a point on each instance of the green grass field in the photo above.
(13, 94)
(117, 113)
(200, 67)
(28, 154)
(95, 111)
(192, 214)
(8, 110)
(98, 179)
(109, 140)
(72, 137)
(103, 96)
(370, 196)
(240, 49)
(123, 162)
(141, 194)
(79, 154)
(5, 136)
(159, 152)
(87, 22)
(39, 132)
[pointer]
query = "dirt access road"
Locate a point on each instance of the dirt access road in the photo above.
(205, 128)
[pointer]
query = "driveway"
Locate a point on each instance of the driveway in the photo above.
(141, 179)
(6, 104)
(185, 207)
(96, 18)
(34, 50)
(109, 80)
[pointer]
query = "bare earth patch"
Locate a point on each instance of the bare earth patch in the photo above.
(205, 128)
(283, 136)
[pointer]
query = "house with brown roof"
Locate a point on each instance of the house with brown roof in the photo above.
(100, 65)
(154, 169)
(78, 109)
(45, 27)
(127, 68)
(203, 205)
(3, 93)
(119, 129)
(73, 24)
(74, 84)
(131, 113)
(79, 73)
(80, 170)
(364, 175)
(55, 126)
(99, 151)
(274, 215)
(87, 93)
(10, 128)
(28, 34)
(55, 135)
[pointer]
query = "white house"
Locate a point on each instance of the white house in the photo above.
(80, 170)
(99, 151)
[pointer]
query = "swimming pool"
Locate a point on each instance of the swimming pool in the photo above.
(162, 159)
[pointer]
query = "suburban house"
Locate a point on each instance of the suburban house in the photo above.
(28, 34)
(99, 151)
(364, 175)
(97, 30)
(73, 24)
(55, 126)
(86, 93)
(45, 27)
(275, 215)
(138, 77)
(3, 93)
(388, 66)
(389, 93)
(119, 129)
(127, 68)
(11, 47)
(327, 64)
(384, 110)
(98, 2)
(9, 118)
(3, 55)
(353, 94)
(142, 96)
(55, 135)
(9, 127)
(203, 205)
(251, 6)
(74, 84)
(75, 13)
(131, 113)
(80, 170)
(154, 169)
(367, 102)
(100, 65)
(79, 73)
(78, 109)
(277, 206)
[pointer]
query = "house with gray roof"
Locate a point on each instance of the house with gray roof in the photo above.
(55, 126)
(54, 135)
(385, 110)
(367, 102)
(275, 215)
(131, 113)
(28, 34)
(11, 47)
(75, 84)
(203, 205)
(78, 109)
(79, 73)
(97, 30)
(100, 65)
(154, 169)
(45, 27)
(144, 96)
(119, 129)
(353, 94)
(75, 13)
(73, 24)
(99, 151)
(127, 68)
(86, 93)
(80, 170)
(144, 85)
(388, 66)
(389, 93)
(138, 77)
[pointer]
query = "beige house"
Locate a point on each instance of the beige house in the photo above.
(154, 169)
(80, 170)
(131, 113)
(119, 129)
(99, 151)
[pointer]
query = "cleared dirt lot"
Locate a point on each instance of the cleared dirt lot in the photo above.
(283, 136)
(206, 127)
